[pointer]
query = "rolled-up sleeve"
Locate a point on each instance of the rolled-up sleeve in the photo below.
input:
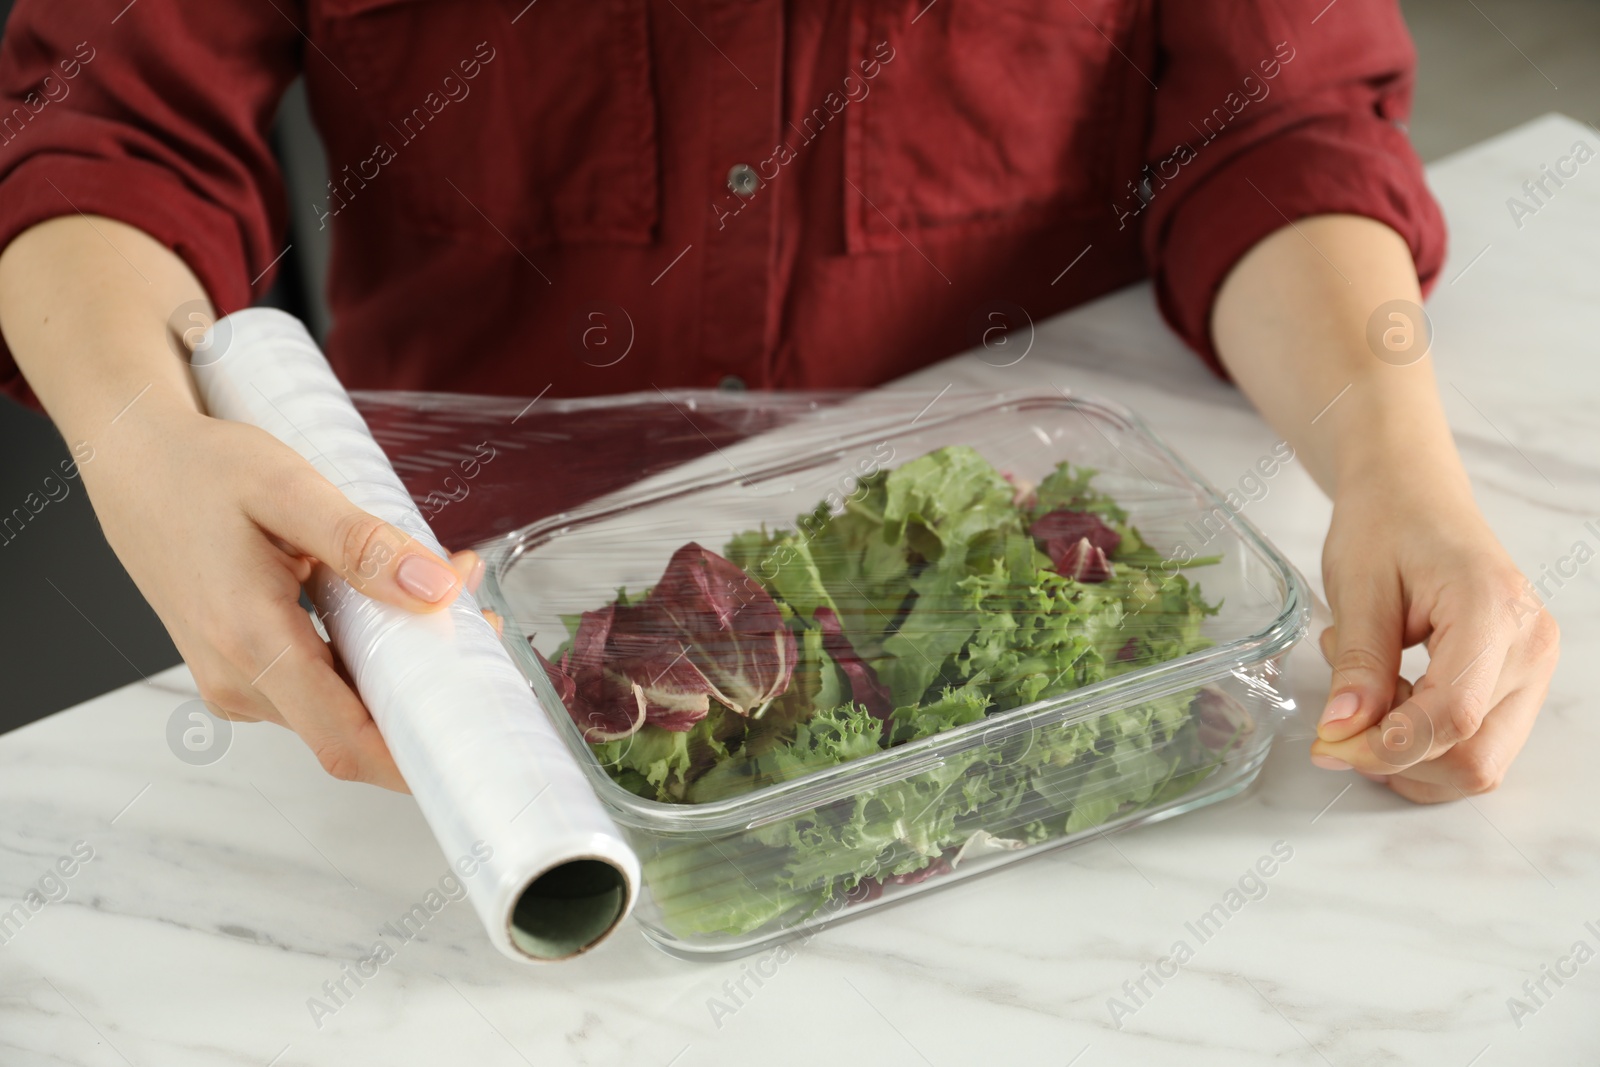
(1265, 115)
(155, 114)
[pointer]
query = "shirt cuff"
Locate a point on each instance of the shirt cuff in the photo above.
(1331, 166)
(147, 197)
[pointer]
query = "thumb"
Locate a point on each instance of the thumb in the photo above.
(374, 557)
(1366, 638)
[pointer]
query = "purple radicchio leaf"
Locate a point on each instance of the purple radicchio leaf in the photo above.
(1082, 560)
(605, 705)
(724, 625)
(706, 630)
(1222, 721)
(871, 889)
(865, 687)
(1077, 542)
(1061, 530)
(676, 694)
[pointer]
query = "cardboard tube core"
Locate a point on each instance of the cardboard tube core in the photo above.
(569, 908)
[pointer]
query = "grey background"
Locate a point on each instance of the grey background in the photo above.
(73, 625)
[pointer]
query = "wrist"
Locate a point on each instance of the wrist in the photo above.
(109, 409)
(136, 442)
(1400, 463)
(1392, 435)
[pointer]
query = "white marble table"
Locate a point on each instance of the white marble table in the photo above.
(219, 899)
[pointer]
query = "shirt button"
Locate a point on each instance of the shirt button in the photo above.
(731, 383)
(743, 180)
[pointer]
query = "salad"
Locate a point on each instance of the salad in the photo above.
(937, 594)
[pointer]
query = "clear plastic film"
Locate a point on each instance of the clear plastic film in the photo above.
(496, 783)
(821, 651)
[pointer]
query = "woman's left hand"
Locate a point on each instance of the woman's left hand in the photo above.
(1403, 566)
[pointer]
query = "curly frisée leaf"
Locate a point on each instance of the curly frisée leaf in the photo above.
(836, 735)
(1068, 487)
(659, 763)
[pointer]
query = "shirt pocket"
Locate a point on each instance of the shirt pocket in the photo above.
(982, 113)
(537, 120)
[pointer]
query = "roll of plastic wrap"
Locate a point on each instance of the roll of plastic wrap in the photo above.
(486, 766)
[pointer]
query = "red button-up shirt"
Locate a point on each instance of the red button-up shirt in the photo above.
(603, 196)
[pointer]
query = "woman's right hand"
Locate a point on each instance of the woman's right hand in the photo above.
(219, 524)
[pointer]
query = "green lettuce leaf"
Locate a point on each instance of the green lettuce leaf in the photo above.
(659, 764)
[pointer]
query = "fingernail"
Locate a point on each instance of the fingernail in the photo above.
(1330, 763)
(425, 578)
(1340, 708)
(1379, 778)
(475, 578)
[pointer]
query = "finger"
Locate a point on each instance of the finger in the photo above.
(1408, 737)
(469, 566)
(1394, 742)
(317, 704)
(1327, 645)
(1422, 792)
(462, 566)
(231, 698)
(1466, 662)
(1402, 690)
(1479, 765)
(1368, 628)
(383, 562)
(265, 712)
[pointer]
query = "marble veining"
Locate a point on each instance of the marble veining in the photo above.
(222, 900)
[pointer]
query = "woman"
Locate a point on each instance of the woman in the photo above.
(775, 195)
